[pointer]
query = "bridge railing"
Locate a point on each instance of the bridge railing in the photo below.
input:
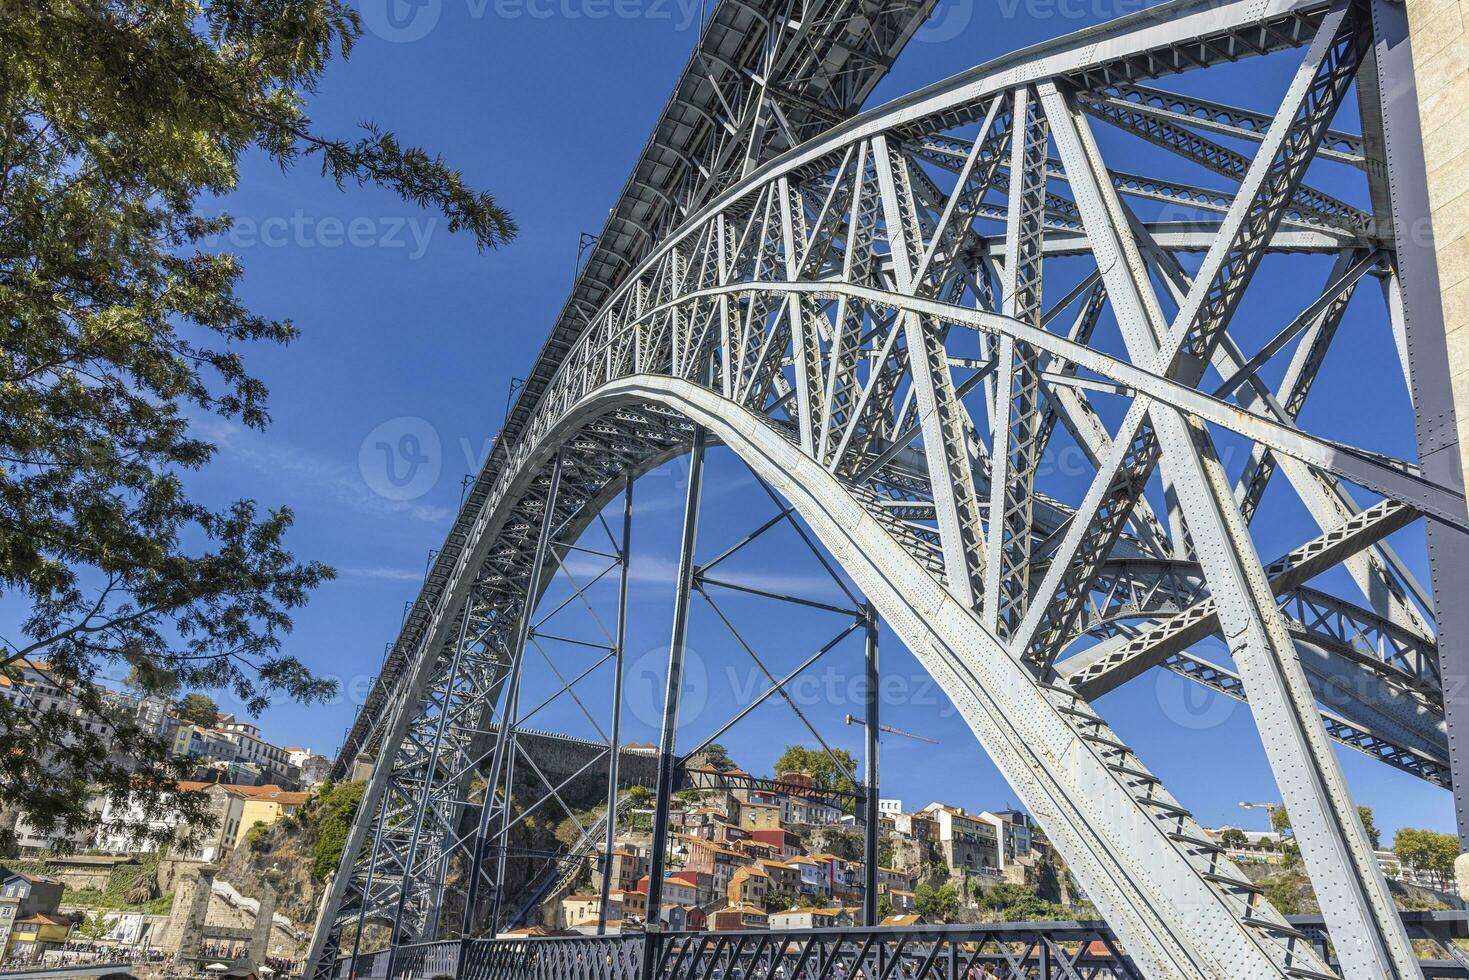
(1003, 951)
(424, 961)
(367, 966)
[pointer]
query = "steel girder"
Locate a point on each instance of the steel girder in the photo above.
(810, 311)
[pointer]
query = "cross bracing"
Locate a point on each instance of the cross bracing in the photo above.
(890, 317)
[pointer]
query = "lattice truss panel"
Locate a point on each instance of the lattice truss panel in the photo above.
(1068, 252)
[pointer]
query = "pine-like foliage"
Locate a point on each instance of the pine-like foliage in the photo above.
(120, 326)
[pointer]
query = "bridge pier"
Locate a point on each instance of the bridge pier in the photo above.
(1422, 55)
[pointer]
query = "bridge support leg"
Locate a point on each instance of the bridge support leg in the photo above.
(616, 737)
(1428, 329)
(667, 740)
(870, 774)
(504, 758)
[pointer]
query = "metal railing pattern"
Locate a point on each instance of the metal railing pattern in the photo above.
(993, 951)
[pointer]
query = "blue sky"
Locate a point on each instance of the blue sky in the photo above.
(408, 331)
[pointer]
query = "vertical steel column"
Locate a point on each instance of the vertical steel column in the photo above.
(433, 765)
(507, 718)
(1430, 369)
(870, 775)
(616, 705)
(667, 741)
(503, 834)
(377, 840)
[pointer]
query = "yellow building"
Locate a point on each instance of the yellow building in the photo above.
(34, 933)
(265, 805)
(759, 816)
(749, 886)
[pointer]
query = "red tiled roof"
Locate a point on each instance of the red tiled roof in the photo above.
(44, 919)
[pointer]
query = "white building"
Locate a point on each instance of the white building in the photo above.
(815, 875)
(314, 768)
(1013, 828)
(39, 691)
(252, 749)
(125, 828)
(238, 742)
(967, 841)
(888, 808)
(834, 918)
(29, 838)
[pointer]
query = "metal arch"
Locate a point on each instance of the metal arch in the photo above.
(1031, 741)
(725, 308)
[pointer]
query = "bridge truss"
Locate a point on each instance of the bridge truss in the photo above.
(891, 317)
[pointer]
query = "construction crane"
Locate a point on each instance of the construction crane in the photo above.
(895, 731)
(1269, 809)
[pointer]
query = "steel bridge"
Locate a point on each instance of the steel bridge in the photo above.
(852, 302)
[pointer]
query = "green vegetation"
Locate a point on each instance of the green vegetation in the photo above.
(778, 900)
(334, 807)
(827, 773)
(1288, 892)
(93, 927)
(160, 905)
(939, 904)
(124, 122)
(1427, 852)
(130, 887)
(199, 709)
(1020, 903)
(1280, 823)
(718, 757)
(1407, 903)
(1234, 837)
(257, 838)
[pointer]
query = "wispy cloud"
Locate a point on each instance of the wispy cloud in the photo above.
(385, 574)
(330, 478)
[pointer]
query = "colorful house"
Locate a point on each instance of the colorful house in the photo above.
(265, 805)
(33, 935)
(22, 896)
(749, 886)
(735, 918)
